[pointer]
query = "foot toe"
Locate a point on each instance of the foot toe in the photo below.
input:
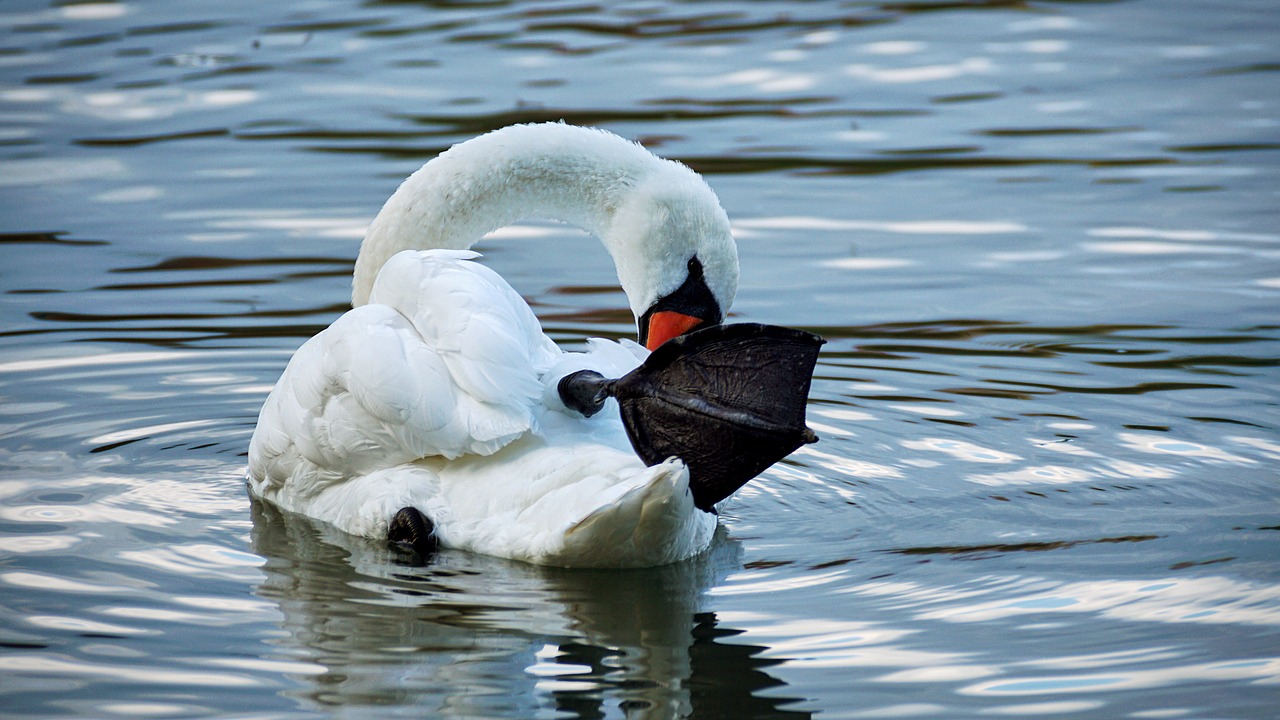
(411, 530)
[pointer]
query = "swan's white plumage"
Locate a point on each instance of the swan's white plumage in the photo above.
(439, 391)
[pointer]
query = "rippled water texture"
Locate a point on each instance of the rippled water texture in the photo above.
(1041, 238)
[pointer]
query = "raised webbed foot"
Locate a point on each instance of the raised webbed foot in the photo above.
(411, 530)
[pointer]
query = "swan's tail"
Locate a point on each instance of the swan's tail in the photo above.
(652, 523)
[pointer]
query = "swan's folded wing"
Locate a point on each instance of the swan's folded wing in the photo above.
(483, 330)
(368, 393)
(394, 399)
(444, 362)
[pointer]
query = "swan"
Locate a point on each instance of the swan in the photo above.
(430, 409)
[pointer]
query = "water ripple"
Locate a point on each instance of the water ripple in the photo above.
(37, 664)
(197, 560)
(1260, 670)
(1198, 600)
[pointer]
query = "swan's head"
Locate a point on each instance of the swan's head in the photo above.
(675, 255)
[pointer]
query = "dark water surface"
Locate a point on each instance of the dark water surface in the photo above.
(1042, 239)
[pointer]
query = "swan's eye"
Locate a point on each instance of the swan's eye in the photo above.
(690, 306)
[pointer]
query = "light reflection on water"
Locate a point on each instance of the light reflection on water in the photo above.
(1040, 240)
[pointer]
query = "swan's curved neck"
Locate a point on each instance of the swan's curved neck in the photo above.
(580, 176)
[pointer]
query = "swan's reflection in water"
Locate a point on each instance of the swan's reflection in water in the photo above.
(472, 636)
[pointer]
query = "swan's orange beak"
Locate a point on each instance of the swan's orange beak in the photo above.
(666, 324)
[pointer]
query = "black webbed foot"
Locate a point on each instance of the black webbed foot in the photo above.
(729, 400)
(412, 531)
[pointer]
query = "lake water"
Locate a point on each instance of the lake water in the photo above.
(1042, 240)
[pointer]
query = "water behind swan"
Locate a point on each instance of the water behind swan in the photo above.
(1040, 240)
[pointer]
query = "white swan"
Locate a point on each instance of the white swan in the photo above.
(437, 392)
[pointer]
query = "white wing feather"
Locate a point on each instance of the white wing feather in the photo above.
(482, 329)
(445, 361)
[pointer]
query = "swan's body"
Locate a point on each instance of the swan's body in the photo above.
(437, 391)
